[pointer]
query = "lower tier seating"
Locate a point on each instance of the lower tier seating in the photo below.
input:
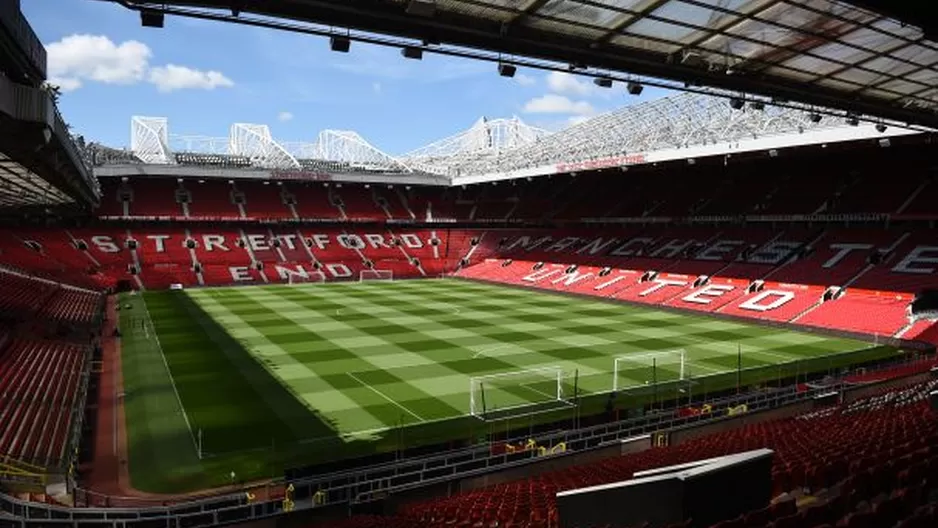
(38, 386)
(879, 452)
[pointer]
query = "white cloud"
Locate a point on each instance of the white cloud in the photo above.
(576, 120)
(525, 80)
(557, 104)
(376, 87)
(173, 77)
(284, 116)
(567, 83)
(79, 58)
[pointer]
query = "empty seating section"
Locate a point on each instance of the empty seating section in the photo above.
(312, 201)
(111, 204)
(910, 267)
(20, 295)
(837, 257)
(359, 203)
(38, 385)
(264, 200)
(878, 450)
(211, 199)
(877, 313)
(924, 202)
(868, 196)
(154, 197)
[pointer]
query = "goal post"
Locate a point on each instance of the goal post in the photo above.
(517, 393)
(373, 274)
(646, 368)
(312, 277)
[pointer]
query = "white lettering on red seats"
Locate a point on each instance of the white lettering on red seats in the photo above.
(105, 244)
(288, 240)
(258, 242)
(672, 248)
(210, 242)
(375, 240)
(351, 241)
(707, 294)
(285, 273)
(240, 274)
(610, 282)
(525, 243)
(412, 241)
(662, 283)
(320, 240)
(919, 255)
(572, 278)
(625, 251)
(339, 271)
(160, 242)
(718, 250)
(781, 298)
(541, 274)
(842, 251)
(597, 245)
(774, 252)
(563, 244)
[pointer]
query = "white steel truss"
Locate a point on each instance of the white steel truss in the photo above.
(256, 143)
(676, 121)
(149, 139)
(485, 138)
(348, 148)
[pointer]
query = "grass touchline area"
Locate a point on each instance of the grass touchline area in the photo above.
(270, 377)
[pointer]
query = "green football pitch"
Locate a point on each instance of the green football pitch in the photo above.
(254, 379)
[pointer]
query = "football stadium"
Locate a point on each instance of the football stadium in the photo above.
(724, 291)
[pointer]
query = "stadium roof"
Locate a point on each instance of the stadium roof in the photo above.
(680, 126)
(820, 52)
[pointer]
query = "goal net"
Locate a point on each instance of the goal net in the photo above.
(314, 277)
(370, 275)
(646, 368)
(517, 393)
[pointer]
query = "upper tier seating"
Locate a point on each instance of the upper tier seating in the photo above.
(211, 199)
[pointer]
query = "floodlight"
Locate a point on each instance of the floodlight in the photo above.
(880, 128)
(410, 52)
(852, 120)
(736, 103)
(603, 82)
(339, 44)
(506, 70)
(151, 18)
(635, 88)
(815, 117)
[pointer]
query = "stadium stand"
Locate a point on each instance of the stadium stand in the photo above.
(871, 459)
(40, 381)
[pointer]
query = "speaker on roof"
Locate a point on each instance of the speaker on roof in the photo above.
(339, 43)
(506, 70)
(151, 18)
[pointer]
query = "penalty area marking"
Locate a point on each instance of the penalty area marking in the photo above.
(385, 396)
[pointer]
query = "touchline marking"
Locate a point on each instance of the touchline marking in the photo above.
(172, 381)
(385, 396)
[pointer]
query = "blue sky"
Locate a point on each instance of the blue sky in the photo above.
(204, 76)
